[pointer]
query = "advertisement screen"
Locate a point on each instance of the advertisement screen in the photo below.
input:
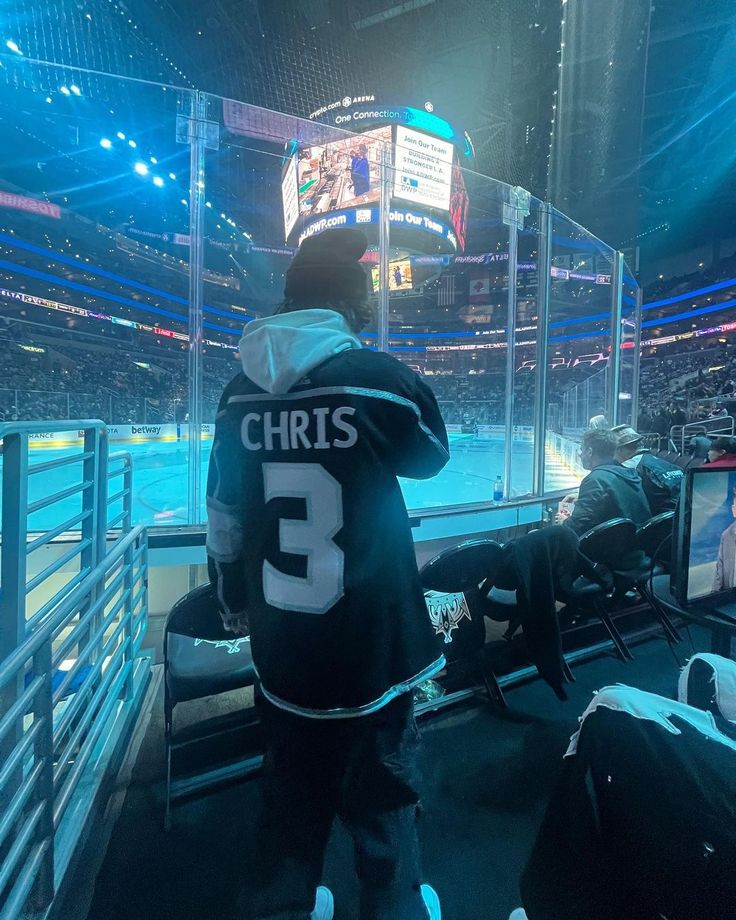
(423, 169)
(459, 206)
(399, 276)
(341, 174)
(406, 220)
(290, 196)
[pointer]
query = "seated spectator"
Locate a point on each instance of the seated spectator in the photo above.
(722, 452)
(698, 448)
(609, 491)
(642, 823)
(661, 480)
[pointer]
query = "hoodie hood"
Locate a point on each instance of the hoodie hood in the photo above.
(277, 351)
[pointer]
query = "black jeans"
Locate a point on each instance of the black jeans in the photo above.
(362, 770)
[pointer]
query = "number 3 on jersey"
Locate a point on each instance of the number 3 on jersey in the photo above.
(323, 586)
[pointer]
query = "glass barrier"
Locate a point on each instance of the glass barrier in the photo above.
(94, 266)
(448, 306)
(627, 387)
(580, 373)
(143, 227)
(270, 180)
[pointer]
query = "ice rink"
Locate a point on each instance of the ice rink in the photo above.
(160, 478)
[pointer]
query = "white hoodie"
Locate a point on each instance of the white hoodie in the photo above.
(277, 351)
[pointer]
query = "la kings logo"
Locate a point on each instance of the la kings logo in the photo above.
(445, 612)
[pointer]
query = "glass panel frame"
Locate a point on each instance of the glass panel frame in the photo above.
(510, 393)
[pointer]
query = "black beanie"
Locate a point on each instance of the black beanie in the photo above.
(326, 268)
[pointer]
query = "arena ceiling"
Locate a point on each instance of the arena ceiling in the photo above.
(638, 145)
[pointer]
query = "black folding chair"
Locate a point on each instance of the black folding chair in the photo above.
(465, 574)
(602, 549)
(202, 659)
(654, 539)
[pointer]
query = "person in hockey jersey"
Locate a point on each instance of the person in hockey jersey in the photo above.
(310, 552)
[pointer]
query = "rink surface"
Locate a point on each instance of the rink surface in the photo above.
(160, 479)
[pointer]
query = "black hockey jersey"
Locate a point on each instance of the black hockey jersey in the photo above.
(308, 536)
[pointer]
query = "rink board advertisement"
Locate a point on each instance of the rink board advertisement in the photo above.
(121, 434)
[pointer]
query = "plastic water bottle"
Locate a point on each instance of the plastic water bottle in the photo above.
(498, 490)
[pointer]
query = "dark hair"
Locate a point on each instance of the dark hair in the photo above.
(358, 313)
(602, 443)
(728, 445)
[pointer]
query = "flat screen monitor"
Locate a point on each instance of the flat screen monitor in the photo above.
(705, 550)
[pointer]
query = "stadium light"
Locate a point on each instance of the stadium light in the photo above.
(120, 136)
(132, 143)
(172, 176)
(13, 47)
(154, 160)
(48, 99)
(64, 90)
(158, 181)
(184, 201)
(141, 168)
(208, 204)
(75, 89)
(106, 143)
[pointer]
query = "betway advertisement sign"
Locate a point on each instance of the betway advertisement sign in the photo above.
(125, 434)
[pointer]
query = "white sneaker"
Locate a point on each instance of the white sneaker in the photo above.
(324, 905)
(431, 902)
(518, 914)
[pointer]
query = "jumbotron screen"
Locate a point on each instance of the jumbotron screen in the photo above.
(345, 175)
(341, 174)
(422, 169)
(459, 206)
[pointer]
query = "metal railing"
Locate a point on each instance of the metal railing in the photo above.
(71, 628)
(73, 492)
(61, 687)
(712, 427)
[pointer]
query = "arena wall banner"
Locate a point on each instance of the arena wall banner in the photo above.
(121, 434)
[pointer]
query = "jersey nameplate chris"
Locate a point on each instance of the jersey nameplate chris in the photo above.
(319, 428)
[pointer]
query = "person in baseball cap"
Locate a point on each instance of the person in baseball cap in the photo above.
(628, 443)
(660, 478)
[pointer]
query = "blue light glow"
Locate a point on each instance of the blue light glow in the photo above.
(688, 295)
(102, 273)
(120, 136)
(141, 168)
(426, 121)
(13, 47)
(106, 143)
(132, 143)
(64, 90)
(158, 181)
